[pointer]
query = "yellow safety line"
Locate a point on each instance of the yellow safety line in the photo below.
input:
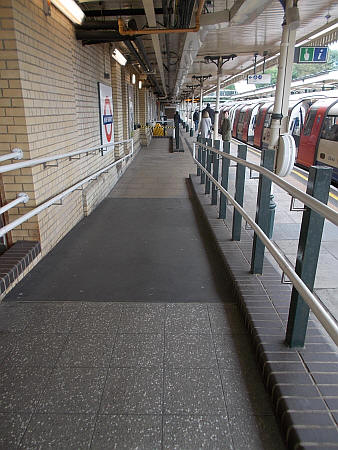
(299, 174)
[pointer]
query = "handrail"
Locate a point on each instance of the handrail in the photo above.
(16, 153)
(322, 209)
(21, 198)
(37, 161)
(59, 197)
(322, 314)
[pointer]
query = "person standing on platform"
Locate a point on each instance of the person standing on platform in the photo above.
(211, 113)
(226, 128)
(195, 118)
(205, 125)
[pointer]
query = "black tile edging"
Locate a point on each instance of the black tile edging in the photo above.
(305, 418)
(15, 260)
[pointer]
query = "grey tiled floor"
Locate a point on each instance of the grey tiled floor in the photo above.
(130, 376)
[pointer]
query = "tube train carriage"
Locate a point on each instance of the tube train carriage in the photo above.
(312, 121)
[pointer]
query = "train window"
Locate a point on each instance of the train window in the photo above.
(309, 122)
(267, 121)
(330, 128)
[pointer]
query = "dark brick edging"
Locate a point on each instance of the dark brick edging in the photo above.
(15, 260)
(302, 383)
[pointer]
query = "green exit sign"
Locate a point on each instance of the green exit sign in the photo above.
(311, 54)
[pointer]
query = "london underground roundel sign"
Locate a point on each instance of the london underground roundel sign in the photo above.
(108, 119)
(106, 115)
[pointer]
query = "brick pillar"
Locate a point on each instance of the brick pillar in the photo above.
(116, 82)
(145, 131)
(13, 126)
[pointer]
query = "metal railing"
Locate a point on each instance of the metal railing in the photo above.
(17, 153)
(23, 197)
(322, 209)
(204, 169)
(70, 155)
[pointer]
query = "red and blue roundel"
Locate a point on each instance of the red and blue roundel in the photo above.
(108, 119)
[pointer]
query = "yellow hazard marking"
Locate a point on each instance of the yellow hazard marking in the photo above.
(305, 178)
(297, 173)
(254, 151)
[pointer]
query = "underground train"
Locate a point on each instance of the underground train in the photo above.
(312, 121)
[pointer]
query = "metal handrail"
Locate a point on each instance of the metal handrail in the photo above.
(320, 311)
(16, 153)
(59, 197)
(37, 161)
(322, 209)
(21, 198)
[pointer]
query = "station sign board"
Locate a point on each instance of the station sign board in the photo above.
(106, 114)
(259, 78)
(311, 54)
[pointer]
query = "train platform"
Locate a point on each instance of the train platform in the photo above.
(128, 334)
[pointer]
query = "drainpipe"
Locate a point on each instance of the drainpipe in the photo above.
(282, 94)
(201, 102)
(287, 48)
(192, 113)
(218, 90)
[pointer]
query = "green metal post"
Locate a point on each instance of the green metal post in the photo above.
(204, 154)
(263, 216)
(224, 181)
(199, 155)
(215, 170)
(208, 167)
(308, 253)
(239, 195)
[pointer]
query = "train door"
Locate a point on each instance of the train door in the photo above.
(259, 126)
(236, 119)
(327, 153)
(310, 134)
(266, 128)
(252, 123)
(241, 120)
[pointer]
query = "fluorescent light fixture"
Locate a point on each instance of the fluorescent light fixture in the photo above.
(133, 78)
(70, 9)
(117, 55)
(140, 84)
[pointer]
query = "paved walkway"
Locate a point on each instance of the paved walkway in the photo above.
(174, 373)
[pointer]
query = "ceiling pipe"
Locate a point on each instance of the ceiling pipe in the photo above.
(119, 12)
(144, 63)
(151, 19)
(124, 32)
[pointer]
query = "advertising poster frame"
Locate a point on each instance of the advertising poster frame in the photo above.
(106, 115)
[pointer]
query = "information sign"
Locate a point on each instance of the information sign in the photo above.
(312, 54)
(260, 78)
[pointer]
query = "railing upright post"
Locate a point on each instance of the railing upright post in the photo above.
(308, 253)
(239, 195)
(204, 153)
(224, 181)
(199, 155)
(263, 217)
(208, 166)
(215, 171)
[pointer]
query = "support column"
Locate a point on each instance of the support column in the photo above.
(218, 90)
(284, 76)
(282, 94)
(201, 79)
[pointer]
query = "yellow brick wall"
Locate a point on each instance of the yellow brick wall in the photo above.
(49, 105)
